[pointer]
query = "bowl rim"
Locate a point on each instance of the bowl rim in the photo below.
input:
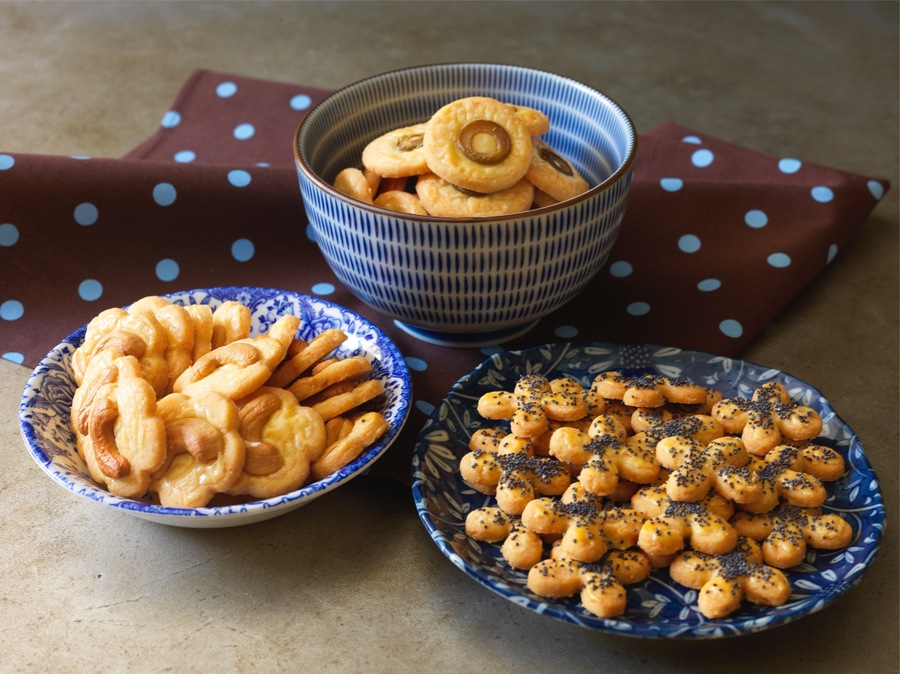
(621, 171)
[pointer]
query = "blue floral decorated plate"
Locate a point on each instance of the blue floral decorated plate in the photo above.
(45, 404)
(657, 607)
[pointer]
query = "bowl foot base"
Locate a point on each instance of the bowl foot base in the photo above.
(465, 340)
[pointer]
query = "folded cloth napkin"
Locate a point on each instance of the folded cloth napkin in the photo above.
(717, 239)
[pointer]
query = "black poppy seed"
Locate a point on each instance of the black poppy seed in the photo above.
(733, 565)
(647, 381)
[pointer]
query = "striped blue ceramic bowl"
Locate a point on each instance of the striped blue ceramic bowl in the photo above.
(475, 281)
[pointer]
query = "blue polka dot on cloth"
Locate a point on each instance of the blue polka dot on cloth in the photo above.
(9, 234)
(90, 290)
(86, 214)
(244, 131)
(164, 194)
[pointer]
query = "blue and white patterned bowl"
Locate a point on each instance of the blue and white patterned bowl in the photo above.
(47, 399)
(657, 607)
(475, 281)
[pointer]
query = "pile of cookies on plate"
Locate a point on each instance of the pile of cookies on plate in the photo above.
(182, 405)
(595, 487)
(475, 157)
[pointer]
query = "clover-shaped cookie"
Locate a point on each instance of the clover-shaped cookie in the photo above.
(768, 419)
(788, 531)
(513, 473)
(648, 390)
(534, 402)
(701, 428)
(602, 456)
(645, 418)
(725, 581)
(520, 547)
(600, 584)
(671, 525)
(588, 526)
(697, 468)
(790, 474)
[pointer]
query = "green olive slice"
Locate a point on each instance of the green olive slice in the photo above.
(410, 141)
(492, 152)
(468, 192)
(558, 163)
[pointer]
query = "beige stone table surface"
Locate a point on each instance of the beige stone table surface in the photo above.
(353, 582)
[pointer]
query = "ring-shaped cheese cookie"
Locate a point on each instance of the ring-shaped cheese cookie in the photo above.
(479, 144)
(279, 437)
(353, 183)
(397, 154)
(205, 451)
(553, 175)
(724, 581)
(443, 199)
(536, 121)
(126, 438)
(401, 202)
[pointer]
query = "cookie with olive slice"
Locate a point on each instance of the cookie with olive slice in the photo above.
(552, 174)
(398, 153)
(478, 144)
(443, 199)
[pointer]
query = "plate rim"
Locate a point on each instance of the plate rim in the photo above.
(702, 628)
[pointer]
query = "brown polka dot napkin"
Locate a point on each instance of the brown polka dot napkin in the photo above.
(717, 238)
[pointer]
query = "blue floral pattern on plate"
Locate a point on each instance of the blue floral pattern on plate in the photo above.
(657, 607)
(46, 401)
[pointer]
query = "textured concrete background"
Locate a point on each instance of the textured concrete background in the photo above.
(352, 582)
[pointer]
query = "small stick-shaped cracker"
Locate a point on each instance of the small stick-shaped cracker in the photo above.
(366, 430)
(319, 347)
(344, 402)
(346, 369)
